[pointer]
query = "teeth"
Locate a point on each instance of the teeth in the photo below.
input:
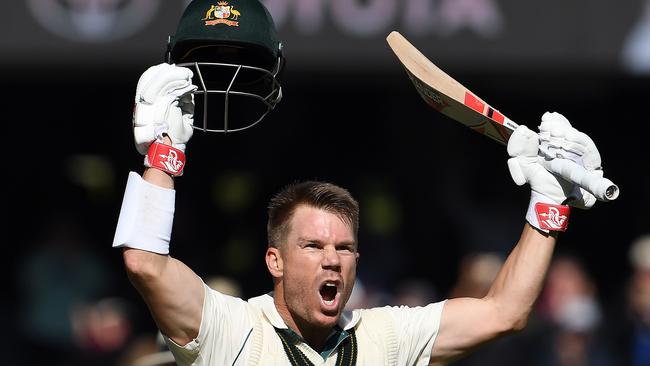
(330, 286)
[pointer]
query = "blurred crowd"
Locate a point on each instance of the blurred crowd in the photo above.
(70, 312)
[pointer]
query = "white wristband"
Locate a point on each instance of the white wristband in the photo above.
(146, 216)
(546, 215)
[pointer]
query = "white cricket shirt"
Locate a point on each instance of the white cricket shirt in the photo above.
(238, 332)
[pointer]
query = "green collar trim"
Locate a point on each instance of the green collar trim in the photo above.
(347, 355)
(334, 340)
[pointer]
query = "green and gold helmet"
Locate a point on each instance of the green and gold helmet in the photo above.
(234, 51)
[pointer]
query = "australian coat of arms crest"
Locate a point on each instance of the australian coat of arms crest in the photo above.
(222, 13)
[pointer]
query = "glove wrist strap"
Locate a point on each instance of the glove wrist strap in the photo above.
(546, 215)
(166, 158)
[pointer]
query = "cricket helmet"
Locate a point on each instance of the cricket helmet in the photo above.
(233, 49)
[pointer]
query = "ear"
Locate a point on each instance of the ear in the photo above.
(274, 262)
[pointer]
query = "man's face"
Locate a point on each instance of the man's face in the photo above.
(319, 261)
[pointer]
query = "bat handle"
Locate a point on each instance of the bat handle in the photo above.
(602, 188)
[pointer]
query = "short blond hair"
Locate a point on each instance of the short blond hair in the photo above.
(326, 196)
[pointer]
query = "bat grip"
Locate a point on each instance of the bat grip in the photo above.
(602, 188)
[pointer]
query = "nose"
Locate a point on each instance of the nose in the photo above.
(331, 259)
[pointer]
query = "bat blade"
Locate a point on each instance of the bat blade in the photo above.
(446, 95)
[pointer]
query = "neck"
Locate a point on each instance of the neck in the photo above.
(314, 336)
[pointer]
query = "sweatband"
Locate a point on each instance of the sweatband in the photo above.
(146, 216)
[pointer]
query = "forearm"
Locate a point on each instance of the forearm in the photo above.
(520, 280)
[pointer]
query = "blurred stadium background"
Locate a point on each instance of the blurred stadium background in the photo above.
(438, 208)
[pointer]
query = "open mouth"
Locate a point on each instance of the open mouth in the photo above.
(328, 292)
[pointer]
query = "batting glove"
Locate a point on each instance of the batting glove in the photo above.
(164, 106)
(551, 194)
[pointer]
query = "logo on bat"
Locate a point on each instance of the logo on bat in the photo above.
(222, 13)
(432, 98)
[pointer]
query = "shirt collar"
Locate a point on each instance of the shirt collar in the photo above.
(348, 319)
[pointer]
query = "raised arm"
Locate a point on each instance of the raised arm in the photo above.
(162, 127)
(467, 322)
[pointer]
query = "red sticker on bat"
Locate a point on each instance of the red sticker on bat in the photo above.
(474, 103)
(495, 115)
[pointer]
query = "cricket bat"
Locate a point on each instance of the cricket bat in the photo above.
(446, 95)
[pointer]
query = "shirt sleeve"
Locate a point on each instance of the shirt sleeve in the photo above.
(225, 323)
(416, 328)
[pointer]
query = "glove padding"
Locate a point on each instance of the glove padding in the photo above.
(164, 104)
(558, 141)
